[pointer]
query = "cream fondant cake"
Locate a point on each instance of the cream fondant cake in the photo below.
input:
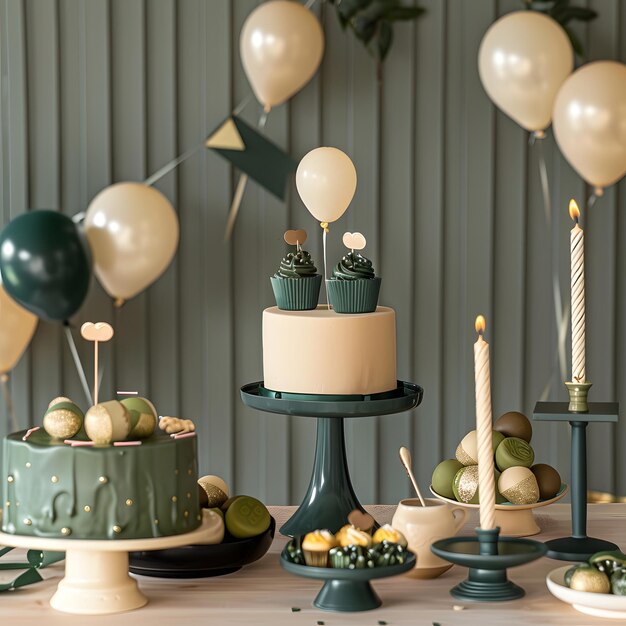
(324, 352)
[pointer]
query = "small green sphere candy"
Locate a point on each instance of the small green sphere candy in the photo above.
(514, 452)
(443, 477)
(63, 419)
(467, 450)
(247, 517)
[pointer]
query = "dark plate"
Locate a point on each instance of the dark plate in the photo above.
(201, 561)
(406, 397)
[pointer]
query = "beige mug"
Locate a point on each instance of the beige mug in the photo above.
(423, 525)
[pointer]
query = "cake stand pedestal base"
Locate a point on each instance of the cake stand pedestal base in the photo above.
(347, 595)
(577, 548)
(97, 583)
(96, 571)
(330, 496)
(487, 586)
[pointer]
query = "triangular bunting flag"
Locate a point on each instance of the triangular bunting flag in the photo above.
(226, 137)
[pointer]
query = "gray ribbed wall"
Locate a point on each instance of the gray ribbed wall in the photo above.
(100, 91)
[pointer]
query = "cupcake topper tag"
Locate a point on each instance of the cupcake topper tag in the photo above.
(100, 331)
(295, 238)
(354, 241)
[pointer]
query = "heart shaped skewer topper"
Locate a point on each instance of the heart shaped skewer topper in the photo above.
(354, 241)
(295, 237)
(100, 331)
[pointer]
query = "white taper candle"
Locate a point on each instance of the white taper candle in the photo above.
(577, 254)
(484, 427)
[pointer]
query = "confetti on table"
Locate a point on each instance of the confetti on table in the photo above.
(458, 607)
(295, 609)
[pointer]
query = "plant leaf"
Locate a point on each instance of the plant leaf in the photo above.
(364, 28)
(576, 43)
(403, 13)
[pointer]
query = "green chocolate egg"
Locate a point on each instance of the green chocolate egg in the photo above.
(247, 517)
(143, 417)
(467, 450)
(514, 452)
(443, 477)
(63, 419)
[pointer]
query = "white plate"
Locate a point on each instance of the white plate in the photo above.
(596, 604)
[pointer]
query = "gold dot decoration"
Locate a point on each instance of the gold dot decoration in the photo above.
(129, 502)
(54, 479)
(10, 478)
(188, 495)
(189, 472)
(7, 503)
(87, 508)
(176, 472)
(198, 517)
(117, 529)
(174, 499)
(186, 514)
(156, 522)
(28, 464)
(27, 521)
(66, 531)
(103, 480)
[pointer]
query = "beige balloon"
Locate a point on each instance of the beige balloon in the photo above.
(590, 121)
(326, 182)
(281, 46)
(523, 60)
(133, 231)
(17, 326)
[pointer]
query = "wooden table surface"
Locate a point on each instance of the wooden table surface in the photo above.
(264, 593)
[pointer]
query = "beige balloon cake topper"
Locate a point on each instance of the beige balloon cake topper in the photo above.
(295, 237)
(354, 241)
(98, 332)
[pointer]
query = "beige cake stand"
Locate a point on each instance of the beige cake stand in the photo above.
(96, 571)
(514, 520)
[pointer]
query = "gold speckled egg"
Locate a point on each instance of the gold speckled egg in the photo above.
(63, 418)
(107, 422)
(519, 485)
(213, 491)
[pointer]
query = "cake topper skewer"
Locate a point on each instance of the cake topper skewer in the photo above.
(405, 457)
(295, 238)
(98, 332)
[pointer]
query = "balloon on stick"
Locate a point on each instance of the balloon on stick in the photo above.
(326, 182)
(133, 231)
(590, 122)
(45, 264)
(523, 59)
(281, 46)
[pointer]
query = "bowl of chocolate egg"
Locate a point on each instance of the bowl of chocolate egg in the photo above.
(522, 486)
(248, 531)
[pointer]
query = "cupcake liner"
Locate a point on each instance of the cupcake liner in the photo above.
(296, 294)
(316, 558)
(354, 296)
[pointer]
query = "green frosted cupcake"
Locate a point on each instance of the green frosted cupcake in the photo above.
(296, 284)
(354, 286)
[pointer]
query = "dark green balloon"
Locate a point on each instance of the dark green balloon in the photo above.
(45, 264)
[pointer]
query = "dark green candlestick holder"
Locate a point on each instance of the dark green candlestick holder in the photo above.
(577, 547)
(488, 556)
(330, 496)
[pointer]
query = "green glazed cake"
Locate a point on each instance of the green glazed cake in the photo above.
(52, 489)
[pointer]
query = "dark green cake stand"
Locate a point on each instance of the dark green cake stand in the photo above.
(347, 590)
(578, 547)
(488, 556)
(330, 496)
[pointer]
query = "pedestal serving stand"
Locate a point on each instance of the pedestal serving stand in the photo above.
(330, 496)
(578, 547)
(96, 571)
(488, 556)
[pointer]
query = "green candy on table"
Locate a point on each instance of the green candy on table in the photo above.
(608, 561)
(294, 553)
(585, 577)
(247, 517)
(618, 582)
(514, 452)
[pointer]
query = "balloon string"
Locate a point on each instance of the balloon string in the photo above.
(8, 400)
(239, 191)
(77, 363)
(561, 315)
(175, 162)
(324, 226)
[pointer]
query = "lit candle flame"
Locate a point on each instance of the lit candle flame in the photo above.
(480, 324)
(574, 211)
